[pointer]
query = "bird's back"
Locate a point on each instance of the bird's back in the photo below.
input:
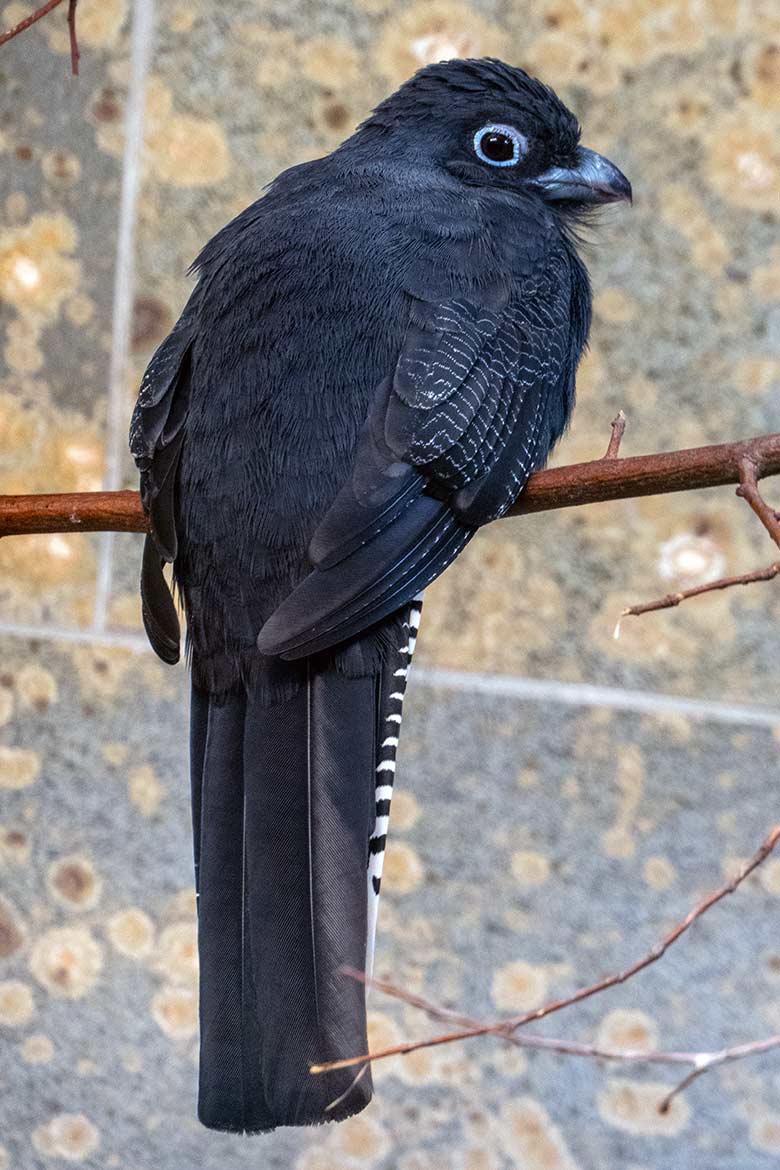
(301, 309)
(295, 319)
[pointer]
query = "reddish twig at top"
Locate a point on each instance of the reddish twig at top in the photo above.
(506, 1028)
(39, 13)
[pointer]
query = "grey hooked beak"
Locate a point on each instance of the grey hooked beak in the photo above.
(594, 179)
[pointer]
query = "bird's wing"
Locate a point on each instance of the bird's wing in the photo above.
(451, 438)
(156, 438)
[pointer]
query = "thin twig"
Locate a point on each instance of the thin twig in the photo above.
(701, 1061)
(39, 13)
(30, 20)
(618, 425)
(74, 44)
(673, 599)
(508, 1026)
(750, 470)
(706, 1060)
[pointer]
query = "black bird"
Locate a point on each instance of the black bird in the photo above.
(376, 356)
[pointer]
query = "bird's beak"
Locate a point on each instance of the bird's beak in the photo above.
(594, 179)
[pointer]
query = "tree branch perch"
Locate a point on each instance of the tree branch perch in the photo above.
(559, 487)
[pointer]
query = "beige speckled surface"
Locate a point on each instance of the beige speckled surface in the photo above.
(596, 826)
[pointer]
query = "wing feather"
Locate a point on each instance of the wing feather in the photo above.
(450, 441)
(157, 430)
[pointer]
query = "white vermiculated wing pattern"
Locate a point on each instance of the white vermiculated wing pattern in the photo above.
(390, 727)
(479, 384)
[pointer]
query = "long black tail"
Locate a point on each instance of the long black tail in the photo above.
(283, 803)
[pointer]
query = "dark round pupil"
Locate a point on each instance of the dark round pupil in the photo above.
(499, 147)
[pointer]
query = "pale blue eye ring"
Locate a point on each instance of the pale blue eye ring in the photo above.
(499, 145)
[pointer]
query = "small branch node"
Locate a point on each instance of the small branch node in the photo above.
(618, 425)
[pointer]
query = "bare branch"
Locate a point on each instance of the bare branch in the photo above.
(646, 475)
(74, 44)
(750, 471)
(704, 1061)
(72, 512)
(673, 599)
(507, 1027)
(30, 20)
(558, 487)
(39, 13)
(701, 1062)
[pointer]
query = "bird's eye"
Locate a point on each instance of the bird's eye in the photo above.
(500, 146)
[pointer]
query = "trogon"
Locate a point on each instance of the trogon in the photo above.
(375, 357)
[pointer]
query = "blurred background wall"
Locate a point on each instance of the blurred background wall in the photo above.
(563, 796)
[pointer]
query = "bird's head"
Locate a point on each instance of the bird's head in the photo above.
(493, 126)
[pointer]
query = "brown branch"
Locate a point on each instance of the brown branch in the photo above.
(618, 425)
(30, 20)
(39, 13)
(558, 487)
(74, 44)
(505, 1028)
(646, 475)
(750, 471)
(562, 487)
(72, 512)
(673, 599)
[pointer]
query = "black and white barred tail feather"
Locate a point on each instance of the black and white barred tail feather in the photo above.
(390, 715)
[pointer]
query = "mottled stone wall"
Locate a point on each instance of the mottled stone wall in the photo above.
(600, 816)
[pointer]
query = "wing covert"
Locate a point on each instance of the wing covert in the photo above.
(450, 440)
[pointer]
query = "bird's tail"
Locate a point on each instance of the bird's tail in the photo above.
(285, 800)
(391, 702)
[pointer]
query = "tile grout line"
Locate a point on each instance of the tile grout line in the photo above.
(84, 636)
(592, 695)
(500, 686)
(124, 280)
